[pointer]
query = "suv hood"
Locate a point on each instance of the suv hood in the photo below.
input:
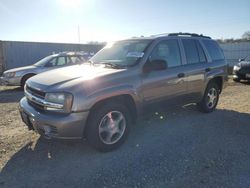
(67, 74)
(21, 69)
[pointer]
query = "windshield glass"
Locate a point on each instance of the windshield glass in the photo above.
(43, 61)
(121, 53)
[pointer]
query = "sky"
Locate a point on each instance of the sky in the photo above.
(74, 21)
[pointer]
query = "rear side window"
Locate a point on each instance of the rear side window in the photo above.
(201, 53)
(61, 61)
(74, 59)
(191, 51)
(213, 49)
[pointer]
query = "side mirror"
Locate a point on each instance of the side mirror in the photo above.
(155, 65)
(242, 59)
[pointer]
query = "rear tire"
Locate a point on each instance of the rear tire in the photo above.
(210, 98)
(108, 126)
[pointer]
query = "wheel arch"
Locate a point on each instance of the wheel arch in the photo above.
(218, 80)
(125, 99)
(25, 77)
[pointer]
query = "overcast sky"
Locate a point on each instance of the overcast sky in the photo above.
(108, 20)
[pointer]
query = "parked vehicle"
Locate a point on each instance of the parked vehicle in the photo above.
(103, 99)
(241, 71)
(19, 76)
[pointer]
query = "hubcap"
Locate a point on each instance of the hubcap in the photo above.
(112, 127)
(212, 96)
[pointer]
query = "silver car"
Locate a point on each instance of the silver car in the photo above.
(19, 76)
(102, 100)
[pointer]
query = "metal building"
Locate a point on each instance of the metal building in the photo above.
(234, 51)
(17, 54)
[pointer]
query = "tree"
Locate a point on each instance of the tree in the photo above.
(246, 35)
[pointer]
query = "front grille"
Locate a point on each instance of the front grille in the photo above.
(35, 92)
(36, 106)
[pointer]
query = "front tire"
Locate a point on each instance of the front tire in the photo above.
(236, 79)
(25, 78)
(108, 126)
(210, 98)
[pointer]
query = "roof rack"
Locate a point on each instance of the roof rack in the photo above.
(70, 52)
(188, 34)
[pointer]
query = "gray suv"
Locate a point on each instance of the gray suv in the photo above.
(102, 99)
(19, 76)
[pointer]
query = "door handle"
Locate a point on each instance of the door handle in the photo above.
(181, 75)
(207, 69)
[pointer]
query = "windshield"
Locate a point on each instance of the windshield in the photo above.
(121, 53)
(43, 61)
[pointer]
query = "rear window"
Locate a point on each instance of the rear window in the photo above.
(214, 50)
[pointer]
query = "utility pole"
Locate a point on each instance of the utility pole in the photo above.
(79, 35)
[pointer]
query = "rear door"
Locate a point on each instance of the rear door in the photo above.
(165, 84)
(195, 67)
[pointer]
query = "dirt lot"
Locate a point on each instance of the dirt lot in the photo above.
(180, 147)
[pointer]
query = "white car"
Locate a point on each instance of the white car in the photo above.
(18, 76)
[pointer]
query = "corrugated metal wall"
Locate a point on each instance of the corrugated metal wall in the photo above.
(17, 54)
(234, 51)
(1, 58)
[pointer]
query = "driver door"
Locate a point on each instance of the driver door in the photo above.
(169, 83)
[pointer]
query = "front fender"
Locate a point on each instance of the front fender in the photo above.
(107, 93)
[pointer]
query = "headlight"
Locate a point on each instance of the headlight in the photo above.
(236, 67)
(60, 102)
(10, 74)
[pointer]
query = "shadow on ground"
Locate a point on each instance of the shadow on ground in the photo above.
(246, 82)
(184, 147)
(11, 95)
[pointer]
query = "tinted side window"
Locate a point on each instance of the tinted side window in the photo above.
(191, 51)
(168, 51)
(213, 49)
(201, 53)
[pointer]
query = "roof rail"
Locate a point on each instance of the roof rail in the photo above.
(159, 35)
(188, 34)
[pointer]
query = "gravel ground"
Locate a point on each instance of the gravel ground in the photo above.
(177, 147)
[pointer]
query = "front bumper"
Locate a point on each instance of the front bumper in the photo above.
(14, 81)
(51, 125)
(240, 75)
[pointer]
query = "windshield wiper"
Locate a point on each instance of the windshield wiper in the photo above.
(112, 65)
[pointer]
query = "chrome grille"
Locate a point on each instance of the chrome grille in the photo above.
(36, 98)
(35, 92)
(35, 105)
(32, 94)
